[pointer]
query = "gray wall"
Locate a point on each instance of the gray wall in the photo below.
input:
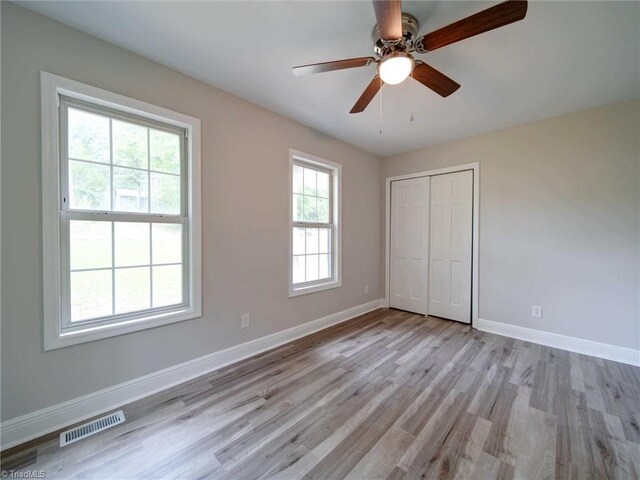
(245, 218)
(559, 221)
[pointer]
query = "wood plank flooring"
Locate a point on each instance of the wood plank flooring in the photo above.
(388, 395)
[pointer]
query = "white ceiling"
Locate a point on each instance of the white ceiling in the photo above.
(563, 57)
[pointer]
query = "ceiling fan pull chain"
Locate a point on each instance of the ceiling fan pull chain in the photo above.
(411, 82)
(381, 92)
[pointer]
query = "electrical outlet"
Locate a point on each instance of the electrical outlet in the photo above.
(244, 323)
(536, 311)
(366, 289)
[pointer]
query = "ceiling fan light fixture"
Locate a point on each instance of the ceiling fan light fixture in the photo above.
(395, 68)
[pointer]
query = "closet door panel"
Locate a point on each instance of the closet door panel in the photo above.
(409, 245)
(450, 240)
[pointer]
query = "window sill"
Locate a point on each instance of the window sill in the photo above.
(297, 291)
(61, 339)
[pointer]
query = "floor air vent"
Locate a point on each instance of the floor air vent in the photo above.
(90, 428)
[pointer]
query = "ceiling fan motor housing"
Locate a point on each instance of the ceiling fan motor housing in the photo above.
(410, 27)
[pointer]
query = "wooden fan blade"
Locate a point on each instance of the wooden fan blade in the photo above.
(489, 19)
(367, 95)
(330, 66)
(389, 18)
(433, 79)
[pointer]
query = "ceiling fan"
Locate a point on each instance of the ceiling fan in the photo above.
(395, 40)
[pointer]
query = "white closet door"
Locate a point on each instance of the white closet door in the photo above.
(450, 246)
(409, 244)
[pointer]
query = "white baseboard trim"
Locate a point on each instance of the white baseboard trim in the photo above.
(36, 424)
(572, 344)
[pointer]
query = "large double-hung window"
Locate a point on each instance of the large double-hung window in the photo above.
(124, 253)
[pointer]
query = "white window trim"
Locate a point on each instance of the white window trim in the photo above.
(336, 281)
(52, 86)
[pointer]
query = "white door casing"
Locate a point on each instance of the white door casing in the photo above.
(450, 246)
(409, 247)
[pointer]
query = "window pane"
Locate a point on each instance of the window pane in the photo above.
(165, 151)
(311, 245)
(309, 182)
(309, 209)
(165, 193)
(130, 190)
(298, 241)
(132, 289)
(90, 294)
(167, 285)
(297, 179)
(89, 186)
(129, 145)
(324, 267)
(323, 184)
(88, 136)
(312, 240)
(90, 244)
(132, 244)
(298, 208)
(323, 210)
(120, 164)
(298, 269)
(167, 243)
(312, 268)
(324, 237)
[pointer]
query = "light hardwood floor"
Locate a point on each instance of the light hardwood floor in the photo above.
(386, 395)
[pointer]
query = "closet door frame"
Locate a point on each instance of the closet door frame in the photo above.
(475, 249)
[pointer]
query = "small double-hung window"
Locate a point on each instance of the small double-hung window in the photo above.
(315, 234)
(127, 236)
